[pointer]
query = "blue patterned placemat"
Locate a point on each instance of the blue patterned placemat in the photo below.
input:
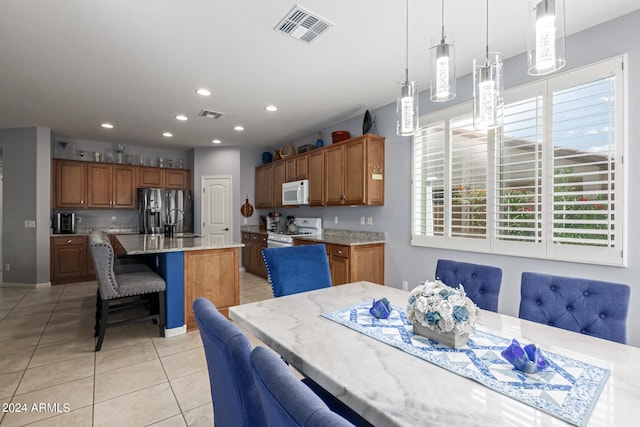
(567, 389)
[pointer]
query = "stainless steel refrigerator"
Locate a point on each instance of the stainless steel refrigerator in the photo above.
(157, 207)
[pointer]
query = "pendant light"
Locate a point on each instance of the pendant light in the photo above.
(487, 88)
(407, 102)
(545, 38)
(443, 66)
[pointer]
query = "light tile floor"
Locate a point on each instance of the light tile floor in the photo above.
(47, 359)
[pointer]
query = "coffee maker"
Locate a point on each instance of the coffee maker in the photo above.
(64, 223)
(274, 222)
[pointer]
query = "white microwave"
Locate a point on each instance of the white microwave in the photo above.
(295, 192)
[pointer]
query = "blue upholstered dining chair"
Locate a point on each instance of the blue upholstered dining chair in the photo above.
(296, 269)
(236, 401)
(286, 400)
(591, 307)
(481, 282)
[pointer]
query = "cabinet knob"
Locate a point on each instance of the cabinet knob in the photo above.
(69, 241)
(340, 252)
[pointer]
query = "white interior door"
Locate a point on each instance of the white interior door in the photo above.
(216, 206)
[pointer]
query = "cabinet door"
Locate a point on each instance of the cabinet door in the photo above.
(264, 186)
(316, 178)
(340, 264)
(302, 167)
(123, 187)
(367, 263)
(151, 177)
(278, 180)
(99, 186)
(246, 252)
(262, 268)
(70, 184)
(334, 175)
(68, 259)
(354, 172)
(177, 179)
(290, 170)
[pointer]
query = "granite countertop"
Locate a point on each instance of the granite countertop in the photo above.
(84, 231)
(140, 244)
(347, 237)
(252, 229)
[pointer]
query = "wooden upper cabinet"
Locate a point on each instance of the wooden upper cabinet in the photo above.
(111, 186)
(124, 183)
(316, 177)
(354, 172)
(70, 179)
(150, 178)
(178, 179)
(278, 180)
(264, 186)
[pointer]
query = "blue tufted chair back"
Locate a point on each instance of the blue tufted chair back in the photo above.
(591, 307)
(233, 388)
(297, 269)
(481, 282)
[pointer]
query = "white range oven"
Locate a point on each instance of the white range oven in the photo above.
(306, 227)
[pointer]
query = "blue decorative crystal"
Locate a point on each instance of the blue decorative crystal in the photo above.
(380, 309)
(527, 359)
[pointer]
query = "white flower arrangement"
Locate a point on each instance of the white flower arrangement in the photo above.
(442, 308)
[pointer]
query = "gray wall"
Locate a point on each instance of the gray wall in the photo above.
(27, 195)
(406, 262)
(217, 161)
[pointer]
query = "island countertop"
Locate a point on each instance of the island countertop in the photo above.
(140, 244)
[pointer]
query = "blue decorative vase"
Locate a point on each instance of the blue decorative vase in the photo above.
(319, 141)
(267, 157)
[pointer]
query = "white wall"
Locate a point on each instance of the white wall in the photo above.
(406, 262)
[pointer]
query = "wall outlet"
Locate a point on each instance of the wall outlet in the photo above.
(405, 285)
(79, 219)
(362, 220)
(113, 219)
(29, 224)
(335, 219)
(370, 220)
(7, 267)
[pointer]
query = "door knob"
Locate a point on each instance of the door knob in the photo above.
(225, 229)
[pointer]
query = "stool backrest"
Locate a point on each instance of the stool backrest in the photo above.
(102, 256)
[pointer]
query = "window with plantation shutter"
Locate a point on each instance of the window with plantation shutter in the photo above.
(547, 184)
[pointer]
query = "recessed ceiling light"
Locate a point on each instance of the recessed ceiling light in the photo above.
(203, 92)
(181, 117)
(238, 128)
(216, 141)
(271, 108)
(167, 134)
(107, 125)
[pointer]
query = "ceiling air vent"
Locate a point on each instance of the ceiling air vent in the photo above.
(303, 25)
(210, 114)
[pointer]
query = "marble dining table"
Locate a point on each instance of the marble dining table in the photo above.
(390, 387)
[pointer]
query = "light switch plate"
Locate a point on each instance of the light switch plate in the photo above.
(29, 224)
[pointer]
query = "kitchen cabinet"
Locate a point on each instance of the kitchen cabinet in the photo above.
(252, 260)
(70, 260)
(350, 172)
(316, 177)
(70, 184)
(352, 263)
(264, 186)
(278, 180)
(354, 172)
(150, 177)
(212, 274)
(177, 179)
(111, 186)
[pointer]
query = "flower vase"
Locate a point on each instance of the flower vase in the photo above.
(450, 339)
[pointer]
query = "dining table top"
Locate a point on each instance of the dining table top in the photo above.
(390, 387)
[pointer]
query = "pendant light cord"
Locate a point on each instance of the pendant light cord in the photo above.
(406, 70)
(442, 22)
(487, 34)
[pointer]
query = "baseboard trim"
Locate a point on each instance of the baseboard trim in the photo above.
(174, 332)
(26, 285)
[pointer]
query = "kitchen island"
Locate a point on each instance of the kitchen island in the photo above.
(192, 266)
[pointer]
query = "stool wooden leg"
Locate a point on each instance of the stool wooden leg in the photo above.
(104, 315)
(161, 312)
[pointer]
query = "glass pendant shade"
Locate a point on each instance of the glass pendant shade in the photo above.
(488, 89)
(443, 69)
(407, 109)
(546, 37)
